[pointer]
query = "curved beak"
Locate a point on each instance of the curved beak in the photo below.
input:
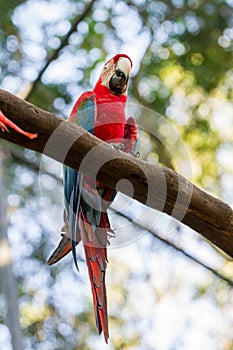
(119, 81)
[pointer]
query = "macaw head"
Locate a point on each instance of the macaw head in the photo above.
(115, 74)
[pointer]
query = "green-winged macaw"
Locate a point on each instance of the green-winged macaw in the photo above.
(101, 112)
(5, 123)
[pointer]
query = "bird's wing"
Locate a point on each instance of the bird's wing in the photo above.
(130, 136)
(84, 111)
(83, 114)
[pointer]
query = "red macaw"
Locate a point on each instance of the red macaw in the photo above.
(101, 112)
(5, 123)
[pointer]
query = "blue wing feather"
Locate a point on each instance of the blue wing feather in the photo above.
(83, 114)
(135, 147)
(84, 111)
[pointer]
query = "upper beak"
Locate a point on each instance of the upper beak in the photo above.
(119, 81)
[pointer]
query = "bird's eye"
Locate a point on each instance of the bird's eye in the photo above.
(120, 74)
(105, 67)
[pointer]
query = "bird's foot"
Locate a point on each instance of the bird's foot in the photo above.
(4, 122)
(136, 155)
(118, 146)
(3, 127)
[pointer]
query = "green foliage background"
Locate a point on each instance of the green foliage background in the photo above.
(183, 71)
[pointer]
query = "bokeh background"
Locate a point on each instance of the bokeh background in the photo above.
(168, 288)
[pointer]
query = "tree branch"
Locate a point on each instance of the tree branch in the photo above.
(18, 157)
(157, 187)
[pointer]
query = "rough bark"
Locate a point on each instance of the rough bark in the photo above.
(158, 187)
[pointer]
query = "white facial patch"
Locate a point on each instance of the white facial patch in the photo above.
(124, 65)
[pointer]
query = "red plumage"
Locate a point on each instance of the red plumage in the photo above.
(119, 55)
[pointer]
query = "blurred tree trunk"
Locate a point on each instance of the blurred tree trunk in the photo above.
(7, 278)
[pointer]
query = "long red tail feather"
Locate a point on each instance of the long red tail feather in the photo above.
(96, 258)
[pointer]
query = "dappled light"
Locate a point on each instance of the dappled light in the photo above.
(168, 287)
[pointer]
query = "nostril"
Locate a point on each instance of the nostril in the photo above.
(120, 74)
